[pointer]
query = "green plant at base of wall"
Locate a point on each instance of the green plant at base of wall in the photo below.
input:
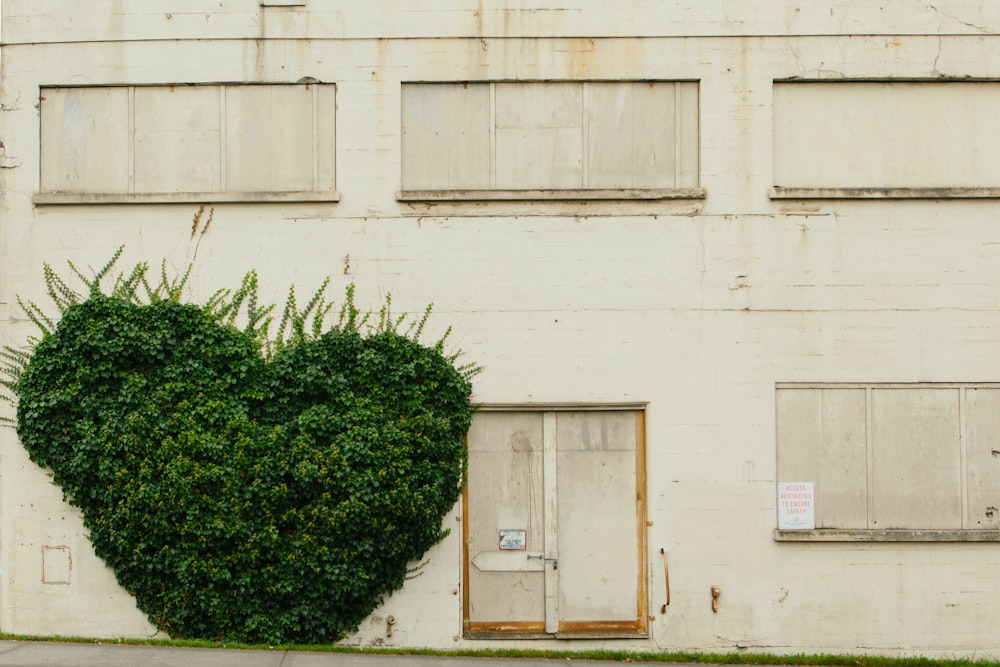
(243, 486)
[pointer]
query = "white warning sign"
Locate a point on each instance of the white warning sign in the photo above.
(796, 506)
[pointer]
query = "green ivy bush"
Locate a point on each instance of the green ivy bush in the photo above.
(244, 487)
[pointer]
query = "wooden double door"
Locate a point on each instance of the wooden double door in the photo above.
(554, 524)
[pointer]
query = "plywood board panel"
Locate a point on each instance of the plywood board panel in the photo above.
(177, 126)
(653, 135)
(425, 136)
(822, 438)
(598, 560)
(610, 140)
(446, 136)
(505, 492)
(982, 457)
(85, 140)
(326, 139)
(916, 459)
(468, 132)
(842, 479)
(688, 119)
(270, 138)
(799, 424)
(886, 134)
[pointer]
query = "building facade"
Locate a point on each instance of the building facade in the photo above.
(730, 270)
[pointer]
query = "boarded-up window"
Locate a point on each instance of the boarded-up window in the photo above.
(886, 139)
(894, 457)
(538, 140)
(177, 143)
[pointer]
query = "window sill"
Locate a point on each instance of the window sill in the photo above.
(552, 195)
(68, 198)
(888, 535)
(884, 193)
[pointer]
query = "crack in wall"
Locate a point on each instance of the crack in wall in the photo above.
(979, 28)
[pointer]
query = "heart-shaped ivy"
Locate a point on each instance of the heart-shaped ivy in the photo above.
(238, 497)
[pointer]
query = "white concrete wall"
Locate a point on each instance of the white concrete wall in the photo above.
(697, 307)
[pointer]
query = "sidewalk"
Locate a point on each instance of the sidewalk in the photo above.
(32, 654)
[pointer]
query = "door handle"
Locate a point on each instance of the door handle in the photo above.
(538, 556)
(666, 580)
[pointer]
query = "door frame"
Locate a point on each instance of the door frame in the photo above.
(639, 628)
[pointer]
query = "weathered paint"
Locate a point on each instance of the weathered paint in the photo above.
(696, 308)
(52, 21)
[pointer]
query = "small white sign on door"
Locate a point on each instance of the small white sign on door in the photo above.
(796, 506)
(513, 540)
